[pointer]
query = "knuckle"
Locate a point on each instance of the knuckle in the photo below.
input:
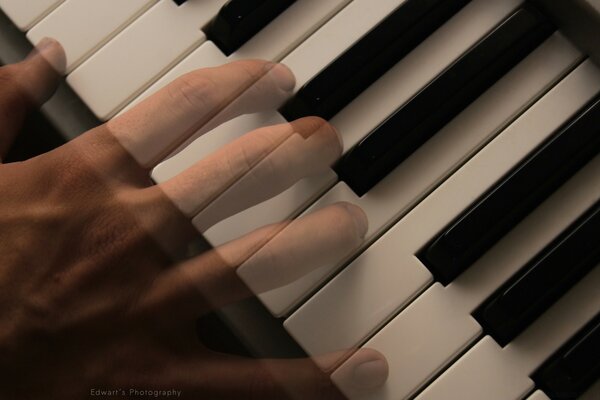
(193, 91)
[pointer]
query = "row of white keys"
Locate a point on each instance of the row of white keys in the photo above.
(83, 26)
(409, 182)
(307, 60)
(324, 323)
(24, 14)
(438, 325)
(140, 54)
(377, 102)
(489, 371)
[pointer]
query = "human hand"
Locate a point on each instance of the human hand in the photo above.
(97, 289)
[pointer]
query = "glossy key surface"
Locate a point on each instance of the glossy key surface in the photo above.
(442, 99)
(376, 52)
(239, 20)
(543, 280)
(574, 367)
(517, 194)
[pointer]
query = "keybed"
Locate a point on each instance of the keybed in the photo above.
(441, 329)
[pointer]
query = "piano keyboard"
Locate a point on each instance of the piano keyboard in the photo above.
(471, 140)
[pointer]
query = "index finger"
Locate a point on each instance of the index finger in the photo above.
(159, 124)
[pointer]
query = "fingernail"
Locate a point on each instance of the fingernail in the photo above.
(283, 75)
(360, 218)
(370, 374)
(45, 43)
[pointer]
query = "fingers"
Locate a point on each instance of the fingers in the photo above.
(26, 85)
(239, 378)
(199, 101)
(270, 257)
(254, 168)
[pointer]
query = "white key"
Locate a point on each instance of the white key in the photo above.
(140, 54)
(592, 393)
(538, 395)
(418, 347)
(473, 371)
(409, 182)
(24, 14)
(83, 26)
(495, 373)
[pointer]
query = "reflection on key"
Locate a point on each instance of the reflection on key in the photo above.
(439, 102)
(519, 192)
(543, 280)
(239, 20)
(361, 65)
(574, 367)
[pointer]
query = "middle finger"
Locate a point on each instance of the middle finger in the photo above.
(159, 124)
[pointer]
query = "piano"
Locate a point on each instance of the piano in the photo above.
(471, 140)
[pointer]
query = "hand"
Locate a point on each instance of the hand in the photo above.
(97, 288)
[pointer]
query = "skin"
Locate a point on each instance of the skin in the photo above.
(97, 285)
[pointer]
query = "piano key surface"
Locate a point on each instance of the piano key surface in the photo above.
(450, 332)
(407, 184)
(416, 121)
(489, 371)
(325, 323)
(100, 20)
(437, 327)
(142, 52)
(25, 14)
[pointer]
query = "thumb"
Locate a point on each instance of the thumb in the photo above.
(28, 84)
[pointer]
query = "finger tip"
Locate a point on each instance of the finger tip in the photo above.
(359, 217)
(365, 370)
(53, 53)
(284, 76)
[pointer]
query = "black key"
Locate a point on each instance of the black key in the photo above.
(575, 367)
(524, 297)
(516, 195)
(179, 2)
(442, 99)
(239, 20)
(373, 55)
